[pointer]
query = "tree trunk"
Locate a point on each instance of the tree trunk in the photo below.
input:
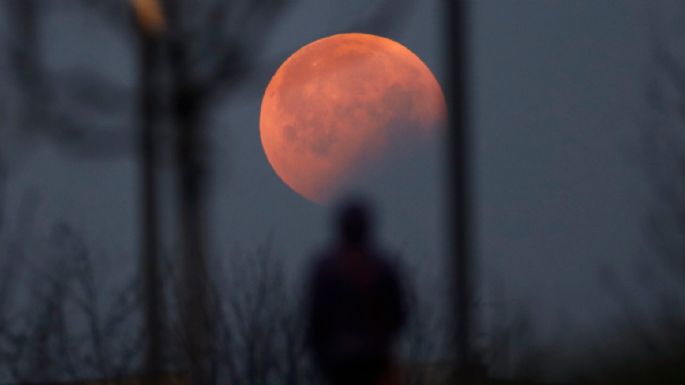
(191, 168)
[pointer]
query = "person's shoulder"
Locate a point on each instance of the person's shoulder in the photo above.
(384, 256)
(322, 261)
(387, 261)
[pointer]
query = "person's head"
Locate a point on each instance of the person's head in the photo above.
(355, 222)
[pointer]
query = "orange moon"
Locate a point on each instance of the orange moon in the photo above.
(340, 105)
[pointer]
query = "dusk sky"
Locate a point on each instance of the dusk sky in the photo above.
(558, 91)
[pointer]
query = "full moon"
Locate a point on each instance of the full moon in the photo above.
(340, 106)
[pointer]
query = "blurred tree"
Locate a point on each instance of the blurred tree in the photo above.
(65, 328)
(664, 138)
(192, 56)
(652, 344)
(664, 159)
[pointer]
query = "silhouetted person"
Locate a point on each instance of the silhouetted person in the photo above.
(356, 307)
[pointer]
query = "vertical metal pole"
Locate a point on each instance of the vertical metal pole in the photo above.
(151, 25)
(460, 200)
(150, 222)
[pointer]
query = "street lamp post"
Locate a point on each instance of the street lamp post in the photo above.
(460, 199)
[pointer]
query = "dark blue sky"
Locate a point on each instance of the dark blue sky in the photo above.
(558, 91)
